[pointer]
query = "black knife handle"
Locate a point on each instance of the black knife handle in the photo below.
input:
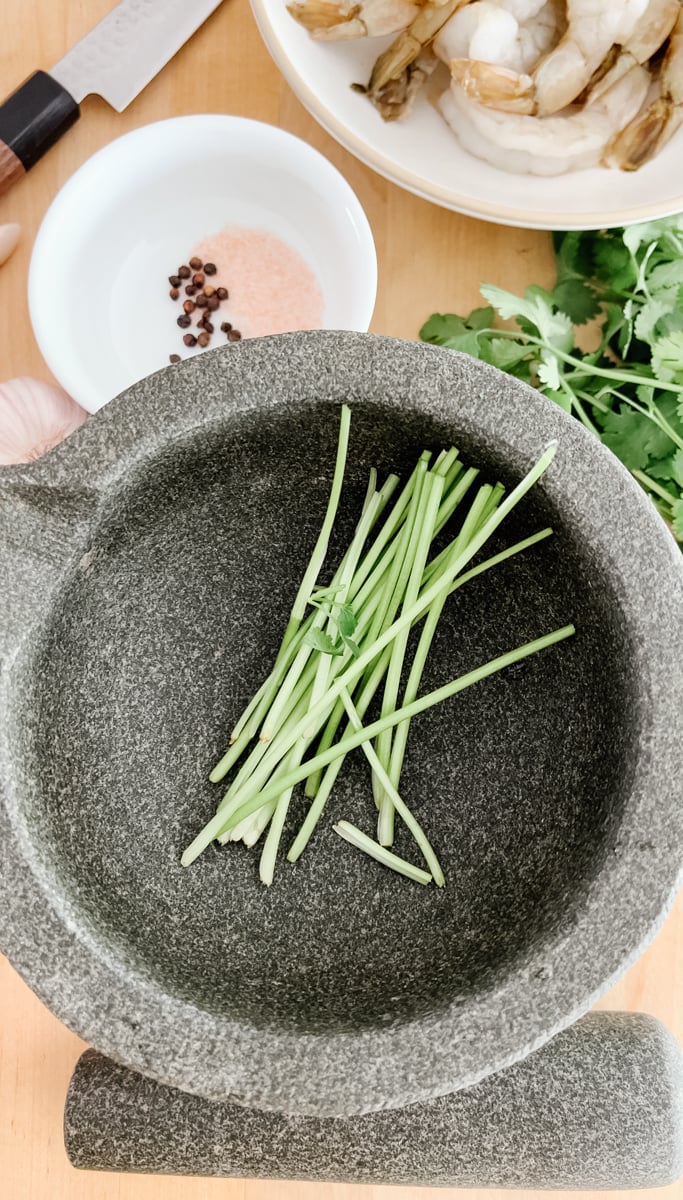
(31, 120)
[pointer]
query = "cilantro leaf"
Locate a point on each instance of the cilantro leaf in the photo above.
(663, 469)
(649, 315)
(674, 318)
(624, 433)
(677, 524)
(612, 323)
(548, 370)
(351, 645)
(652, 231)
(448, 329)
(537, 308)
(320, 640)
(345, 618)
(667, 356)
(577, 299)
(666, 275)
(441, 327)
(658, 443)
(677, 473)
(670, 468)
(614, 265)
(480, 318)
(574, 253)
(507, 353)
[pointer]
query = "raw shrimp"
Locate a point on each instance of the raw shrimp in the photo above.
(540, 25)
(496, 32)
(551, 145)
(333, 20)
(594, 27)
(396, 98)
(489, 48)
(585, 50)
(652, 128)
(523, 10)
(653, 28)
(410, 45)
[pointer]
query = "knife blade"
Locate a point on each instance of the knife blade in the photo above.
(116, 60)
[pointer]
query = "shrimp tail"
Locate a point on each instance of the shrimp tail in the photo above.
(342, 20)
(396, 98)
(649, 131)
(643, 137)
(407, 47)
(493, 86)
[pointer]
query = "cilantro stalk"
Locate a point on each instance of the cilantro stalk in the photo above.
(322, 792)
(334, 661)
(408, 588)
(289, 778)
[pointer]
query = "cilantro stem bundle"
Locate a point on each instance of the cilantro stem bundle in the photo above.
(346, 644)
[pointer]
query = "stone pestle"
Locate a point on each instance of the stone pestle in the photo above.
(599, 1106)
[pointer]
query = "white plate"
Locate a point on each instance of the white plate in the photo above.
(422, 155)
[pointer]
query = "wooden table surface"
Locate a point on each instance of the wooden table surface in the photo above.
(428, 259)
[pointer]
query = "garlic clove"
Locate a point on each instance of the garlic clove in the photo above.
(34, 417)
(9, 236)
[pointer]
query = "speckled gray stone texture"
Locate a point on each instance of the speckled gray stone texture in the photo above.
(600, 1106)
(147, 567)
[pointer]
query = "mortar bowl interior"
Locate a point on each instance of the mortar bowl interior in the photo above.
(161, 628)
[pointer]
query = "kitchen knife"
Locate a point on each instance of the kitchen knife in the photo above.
(116, 60)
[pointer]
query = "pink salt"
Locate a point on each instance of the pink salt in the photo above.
(271, 288)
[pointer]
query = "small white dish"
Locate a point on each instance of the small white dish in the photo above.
(421, 153)
(98, 281)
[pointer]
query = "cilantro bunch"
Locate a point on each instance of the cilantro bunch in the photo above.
(629, 389)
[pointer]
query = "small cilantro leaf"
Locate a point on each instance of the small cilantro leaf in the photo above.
(613, 322)
(574, 254)
(441, 327)
(345, 618)
(548, 370)
(667, 356)
(577, 299)
(674, 318)
(666, 275)
(508, 352)
(677, 473)
(614, 265)
(651, 231)
(480, 318)
(320, 640)
(663, 469)
(537, 308)
(649, 315)
(351, 645)
(677, 524)
(625, 432)
(447, 329)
